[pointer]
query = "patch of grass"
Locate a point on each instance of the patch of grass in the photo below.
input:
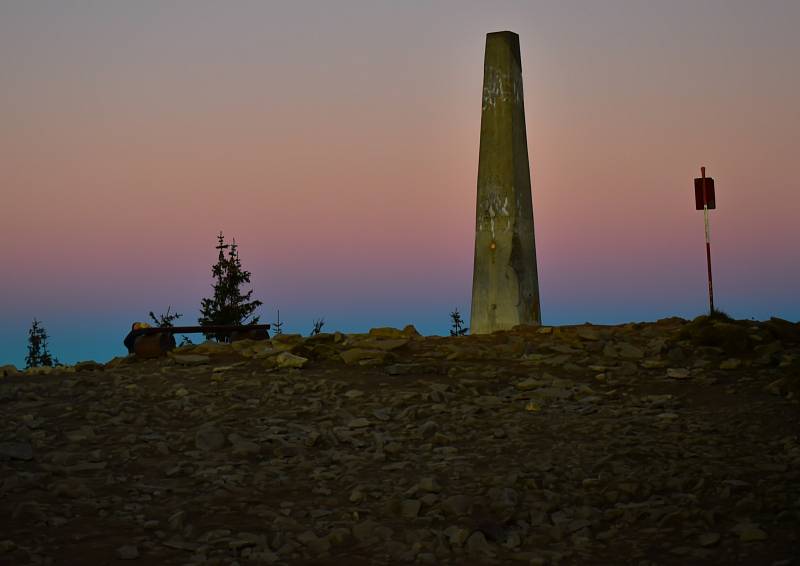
(717, 314)
(719, 330)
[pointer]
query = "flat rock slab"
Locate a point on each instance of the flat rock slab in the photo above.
(9, 369)
(209, 438)
(408, 369)
(191, 359)
(16, 450)
(288, 360)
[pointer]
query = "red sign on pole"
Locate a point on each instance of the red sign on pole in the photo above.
(699, 200)
(704, 200)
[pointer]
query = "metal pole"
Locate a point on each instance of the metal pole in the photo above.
(708, 241)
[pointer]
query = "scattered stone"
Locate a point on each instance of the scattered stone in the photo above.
(676, 355)
(289, 360)
(478, 546)
(749, 532)
(181, 545)
(481, 460)
(7, 546)
(339, 536)
(430, 485)
(191, 359)
(356, 355)
(629, 351)
(223, 369)
(589, 334)
(16, 450)
(730, 363)
(610, 350)
(9, 370)
(390, 333)
(128, 552)
(428, 429)
(407, 369)
(209, 438)
(385, 345)
(210, 347)
(554, 393)
(778, 387)
(40, 370)
(678, 373)
(177, 520)
(410, 508)
(457, 536)
(362, 532)
(287, 342)
(457, 505)
(72, 488)
(243, 446)
(708, 539)
(382, 414)
(82, 434)
(528, 384)
(411, 332)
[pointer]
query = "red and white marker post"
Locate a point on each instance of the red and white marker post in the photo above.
(704, 199)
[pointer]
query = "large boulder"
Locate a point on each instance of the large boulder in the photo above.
(40, 370)
(393, 333)
(289, 360)
(8, 370)
(287, 342)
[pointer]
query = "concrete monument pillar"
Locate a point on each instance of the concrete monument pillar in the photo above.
(505, 284)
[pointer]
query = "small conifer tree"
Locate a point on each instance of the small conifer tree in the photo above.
(38, 355)
(457, 329)
(318, 324)
(228, 306)
(277, 327)
(166, 321)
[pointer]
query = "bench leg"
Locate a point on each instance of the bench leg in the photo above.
(154, 345)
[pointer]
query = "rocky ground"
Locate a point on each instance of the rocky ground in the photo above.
(667, 443)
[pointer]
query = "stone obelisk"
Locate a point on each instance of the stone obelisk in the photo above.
(505, 284)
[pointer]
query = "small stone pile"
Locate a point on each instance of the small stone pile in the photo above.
(672, 442)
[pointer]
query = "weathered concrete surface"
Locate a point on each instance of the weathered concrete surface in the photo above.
(505, 286)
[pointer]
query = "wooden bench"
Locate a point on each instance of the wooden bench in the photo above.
(156, 342)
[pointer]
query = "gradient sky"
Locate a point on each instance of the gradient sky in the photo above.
(338, 143)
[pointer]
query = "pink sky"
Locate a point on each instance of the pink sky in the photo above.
(338, 142)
